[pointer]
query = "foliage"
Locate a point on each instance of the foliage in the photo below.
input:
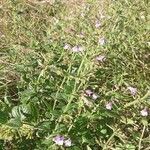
(48, 61)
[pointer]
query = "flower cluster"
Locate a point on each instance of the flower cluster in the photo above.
(60, 140)
(76, 49)
(109, 105)
(91, 94)
(132, 90)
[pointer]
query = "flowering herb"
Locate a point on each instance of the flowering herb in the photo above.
(88, 92)
(97, 24)
(59, 140)
(109, 105)
(132, 90)
(101, 41)
(77, 49)
(67, 143)
(67, 46)
(94, 96)
(91, 94)
(144, 112)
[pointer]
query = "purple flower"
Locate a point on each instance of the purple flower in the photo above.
(67, 46)
(97, 24)
(132, 90)
(144, 112)
(101, 41)
(67, 143)
(91, 94)
(77, 48)
(100, 58)
(109, 105)
(94, 96)
(88, 92)
(59, 140)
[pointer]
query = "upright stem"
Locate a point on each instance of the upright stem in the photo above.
(140, 141)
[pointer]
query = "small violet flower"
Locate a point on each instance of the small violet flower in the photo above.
(101, 41)
(144, 112)
(132, 90)
(88, 92)
(91, 94)
(67, 143)
(77, 49)
(59, 140)
(100, 58)
(97, 24)
(109, 106)
(94, 96)
(67, 46)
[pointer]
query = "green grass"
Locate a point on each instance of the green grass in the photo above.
(42, 85)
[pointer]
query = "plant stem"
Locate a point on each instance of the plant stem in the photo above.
(140, 141)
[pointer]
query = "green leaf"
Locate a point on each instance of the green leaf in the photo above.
(103, 131)
(16, 113)
(3, 117)
(20, 111)
(16, 123)
(88, 148)
(144, 122)
(84, 139)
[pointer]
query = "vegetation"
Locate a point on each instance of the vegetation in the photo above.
(74, 75)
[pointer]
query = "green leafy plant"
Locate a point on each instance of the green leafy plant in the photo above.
(74, 75)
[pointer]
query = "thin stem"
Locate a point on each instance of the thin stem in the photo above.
(63, 81)
(137, 100)
(72, 95)
(104, 147)
(140, 141)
